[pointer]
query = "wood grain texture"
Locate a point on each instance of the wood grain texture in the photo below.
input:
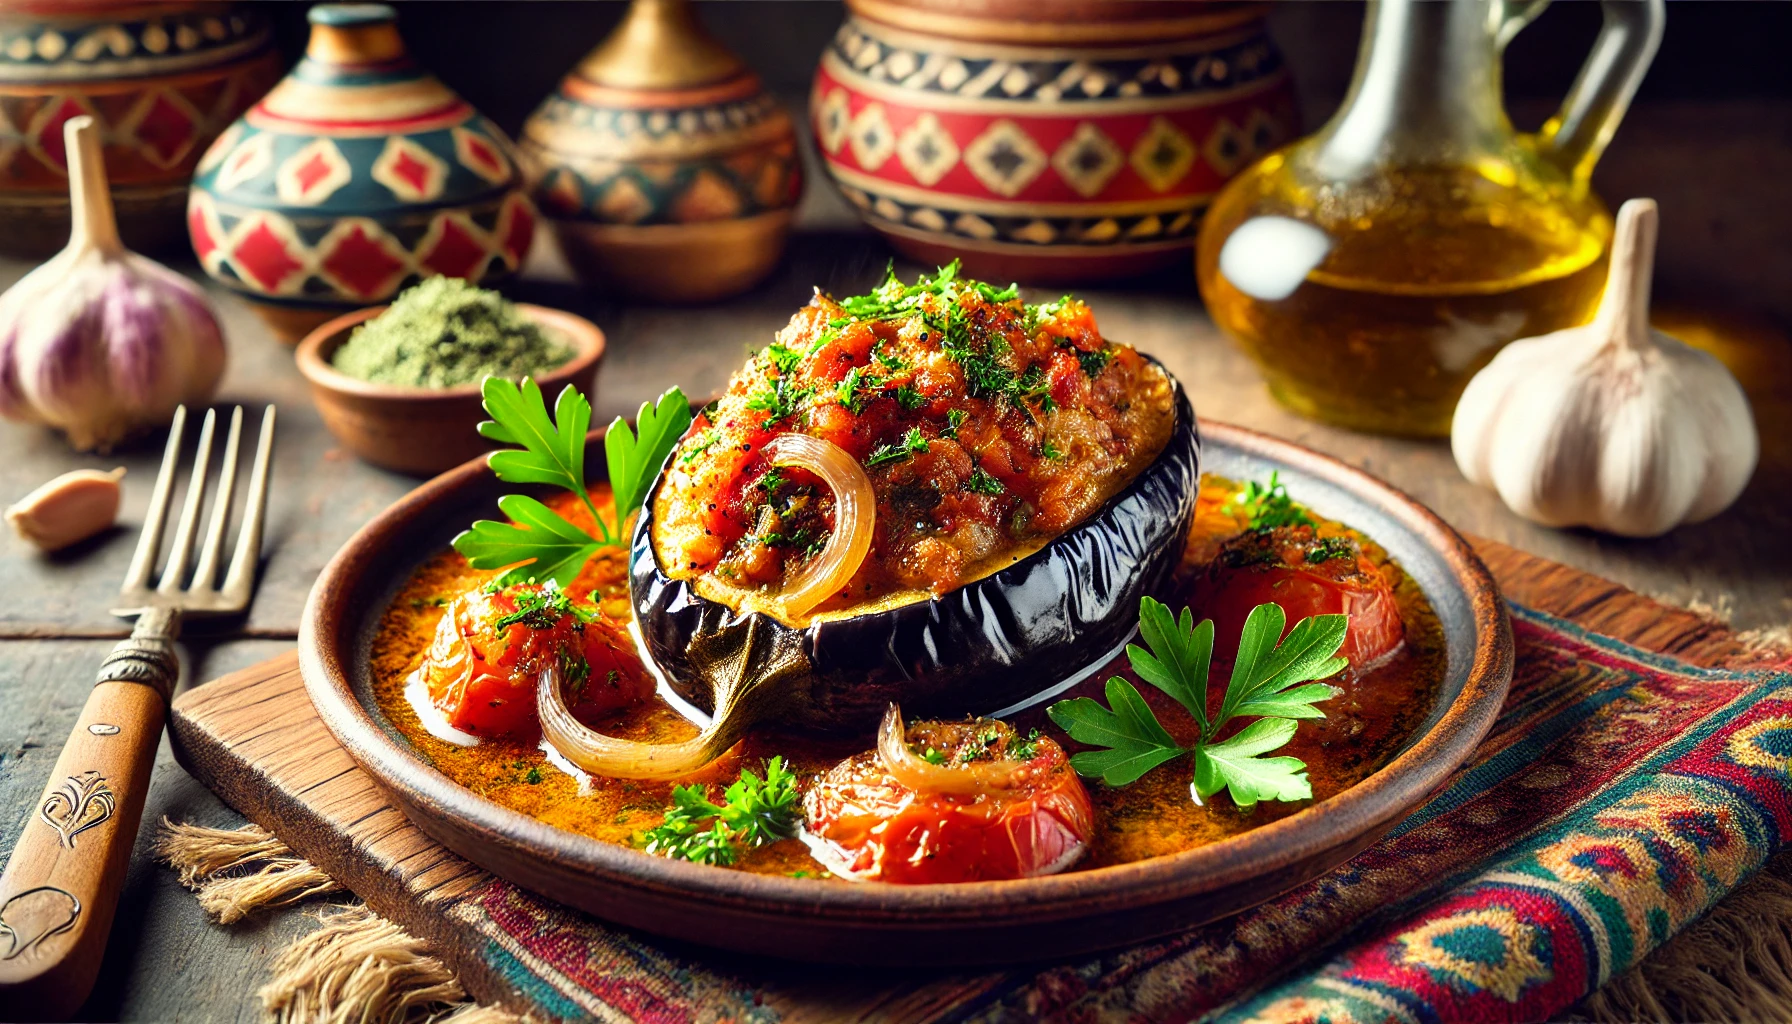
(253, 737)
(60, 888)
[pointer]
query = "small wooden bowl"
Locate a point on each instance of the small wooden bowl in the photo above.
(423, 431)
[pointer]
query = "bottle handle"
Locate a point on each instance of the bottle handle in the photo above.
(1577, 135)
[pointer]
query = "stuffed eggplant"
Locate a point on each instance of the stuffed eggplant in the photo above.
(933, 495)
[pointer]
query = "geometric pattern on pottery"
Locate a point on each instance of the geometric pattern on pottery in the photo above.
(938, 216)
(622, 125)
(152, 131)
(40, 46)
(740, 184)
(1089, 76)
(287, 256)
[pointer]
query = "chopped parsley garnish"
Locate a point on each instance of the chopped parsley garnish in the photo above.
(701, 443)
(534, 776)
(932, 756)
(772, 480)
(1096, 361)
(912, 442)
(784, 358)
(753, 814)
(909, 398)
(954, 419)
(1329, 548)
(889, 360)
(542, 608)
(1272, 682)
(778, 402)
(1267, 507)
(1049, 450)
(852, 390)
(982, 483)
(1024, 749)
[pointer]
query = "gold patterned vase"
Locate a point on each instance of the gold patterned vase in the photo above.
(161, 79)
(1046, 141)
(357, 175)
(665, 168)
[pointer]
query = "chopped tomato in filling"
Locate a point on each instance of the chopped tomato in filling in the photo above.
(1036, 819)
(1306, 575)
(986, 427)
(491, 646)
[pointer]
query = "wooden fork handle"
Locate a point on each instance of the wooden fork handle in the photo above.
(60, 887)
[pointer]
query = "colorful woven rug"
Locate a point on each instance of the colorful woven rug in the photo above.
(1619, 796)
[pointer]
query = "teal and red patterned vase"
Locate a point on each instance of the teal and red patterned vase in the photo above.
(1047, 141)
(160, 79)
(359, 174)
(665, 168)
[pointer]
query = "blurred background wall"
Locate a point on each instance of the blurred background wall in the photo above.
(1709, 136)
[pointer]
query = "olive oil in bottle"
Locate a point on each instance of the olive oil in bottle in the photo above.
(1375, 266)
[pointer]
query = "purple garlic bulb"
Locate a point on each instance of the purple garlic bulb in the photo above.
(100, 342)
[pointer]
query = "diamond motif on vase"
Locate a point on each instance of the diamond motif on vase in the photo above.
(1163, 155)
(165, 127)
(246, 163)
(477, 154)
(832, 118)
(516, 228)
(1088, 160)
(1005, 158)
(313, 174)
(360, 259)
(1226, 149)
(262, 253)
(412, 174)
(871, 138)
(453, 248)
(926, 150)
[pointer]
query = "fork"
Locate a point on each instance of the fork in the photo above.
(60, 887)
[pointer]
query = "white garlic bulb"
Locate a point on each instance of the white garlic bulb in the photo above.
(1611, 425)
(100, 342)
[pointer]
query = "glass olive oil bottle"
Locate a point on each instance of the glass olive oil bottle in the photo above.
(1372, 268)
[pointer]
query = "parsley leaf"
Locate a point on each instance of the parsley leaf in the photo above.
(755, 812)
(540, 542)
(982, 483)
(779, 401)
(1272, 682)
(912, 442)
(1267, 506)
(783, 357)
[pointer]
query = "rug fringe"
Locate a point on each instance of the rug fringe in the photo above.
(212, 863)
(1733, 965)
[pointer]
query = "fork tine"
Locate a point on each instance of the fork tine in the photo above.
(176, 569)
(150, 541)
(213, 547)
(248, 541)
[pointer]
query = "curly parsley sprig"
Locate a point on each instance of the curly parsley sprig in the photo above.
(1272, 682)
(754, 813)
(539, 542)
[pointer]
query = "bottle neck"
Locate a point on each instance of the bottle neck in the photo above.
(1427, 89)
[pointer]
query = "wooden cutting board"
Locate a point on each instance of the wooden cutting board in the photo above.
(254, 739)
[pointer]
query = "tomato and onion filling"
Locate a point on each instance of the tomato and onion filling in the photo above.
(478, 676)
(959, 801)
(985, 427)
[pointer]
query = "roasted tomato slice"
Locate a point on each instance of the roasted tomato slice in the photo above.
(963, 801)
(481, 668)
(1305, 574)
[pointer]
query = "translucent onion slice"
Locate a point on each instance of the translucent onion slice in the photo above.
(855, 513)
(598, 754)
(910, 769)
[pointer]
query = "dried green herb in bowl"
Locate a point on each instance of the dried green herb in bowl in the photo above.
(445, 333)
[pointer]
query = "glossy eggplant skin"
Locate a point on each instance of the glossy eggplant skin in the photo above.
(987, 645)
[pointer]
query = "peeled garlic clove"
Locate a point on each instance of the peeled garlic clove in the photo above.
(68, 509)
(1612, 425)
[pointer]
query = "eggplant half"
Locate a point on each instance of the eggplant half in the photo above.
(987, 645)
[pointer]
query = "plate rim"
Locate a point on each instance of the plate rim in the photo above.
(1369, 807)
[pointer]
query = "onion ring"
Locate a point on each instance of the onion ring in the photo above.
(855, 515)
(923, 776)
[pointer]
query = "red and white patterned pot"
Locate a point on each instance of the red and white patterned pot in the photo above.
(1046, 141)
(359, 174)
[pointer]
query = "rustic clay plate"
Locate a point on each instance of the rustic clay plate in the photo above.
(942, 925)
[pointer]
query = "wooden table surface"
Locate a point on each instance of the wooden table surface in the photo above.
(166, 962)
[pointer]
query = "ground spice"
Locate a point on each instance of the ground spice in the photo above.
(444, 333)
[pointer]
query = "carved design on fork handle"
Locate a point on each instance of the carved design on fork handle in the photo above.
(147, 656)
(83, 802)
